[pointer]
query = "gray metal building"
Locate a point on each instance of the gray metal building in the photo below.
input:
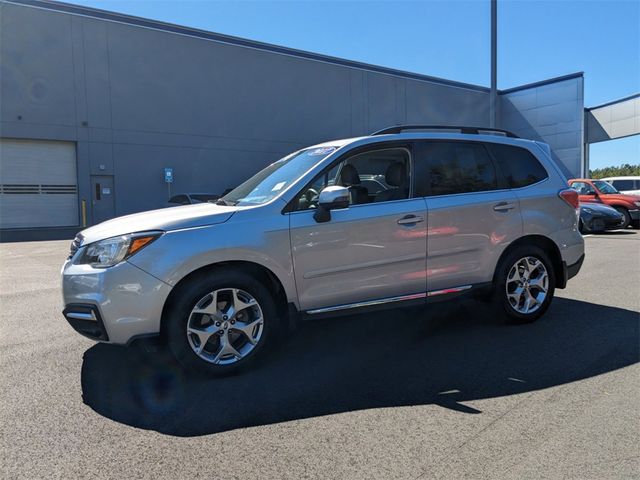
(95, 105)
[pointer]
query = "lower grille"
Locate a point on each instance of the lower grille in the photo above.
(86, 320)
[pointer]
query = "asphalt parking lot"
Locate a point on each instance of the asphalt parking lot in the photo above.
(442, 393)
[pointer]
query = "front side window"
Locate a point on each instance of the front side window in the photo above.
(380, 175)
(270, 182)
(519, 167)
(457, 167)
(604, 187)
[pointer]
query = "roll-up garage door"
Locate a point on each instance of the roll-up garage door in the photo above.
(38, 184)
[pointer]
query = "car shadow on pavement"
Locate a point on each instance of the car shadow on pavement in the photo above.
(448, 354)
(613, 233)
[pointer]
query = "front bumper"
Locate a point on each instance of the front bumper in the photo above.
(113, 304)
(635, 214)
(599, 223)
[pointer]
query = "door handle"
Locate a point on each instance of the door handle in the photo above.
(410, 220)
(504, 206)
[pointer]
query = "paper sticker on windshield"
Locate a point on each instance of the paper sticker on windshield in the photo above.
(322, 151)
(278, 186)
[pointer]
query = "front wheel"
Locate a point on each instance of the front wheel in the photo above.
(220, 323)
(525, 284)
(627, 216)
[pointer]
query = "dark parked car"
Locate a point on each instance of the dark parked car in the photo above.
(596, 217)
(599, 191)
(191, 198)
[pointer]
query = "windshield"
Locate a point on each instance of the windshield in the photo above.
(268, 183)
(605, 187)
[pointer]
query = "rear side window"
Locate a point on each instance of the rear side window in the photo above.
(623, 184)
(519, 166)
(457, 167)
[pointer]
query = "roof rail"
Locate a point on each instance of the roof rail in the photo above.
(470, 130)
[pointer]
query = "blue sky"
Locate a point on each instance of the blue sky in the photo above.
(537, 39)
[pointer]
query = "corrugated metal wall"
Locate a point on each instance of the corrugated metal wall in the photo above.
(549, 112)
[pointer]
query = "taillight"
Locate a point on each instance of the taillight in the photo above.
(570, 196)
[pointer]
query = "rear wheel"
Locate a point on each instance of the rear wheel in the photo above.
(221, 323)
(581, 227)
(525, 284)
(626, 215)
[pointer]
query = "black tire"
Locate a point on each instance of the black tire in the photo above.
(178, 314)
(581, 227)
(501, 302)
(627, 216)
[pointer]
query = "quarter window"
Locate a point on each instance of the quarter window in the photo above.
(456, 167)
(519, 167)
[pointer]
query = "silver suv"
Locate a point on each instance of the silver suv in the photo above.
(450, 211)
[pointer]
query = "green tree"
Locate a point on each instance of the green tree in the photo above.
(619, 171)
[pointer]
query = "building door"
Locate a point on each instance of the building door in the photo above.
(102, 202)
(38, 186)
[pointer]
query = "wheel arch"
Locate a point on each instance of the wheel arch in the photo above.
(546, 244)
(267, 277)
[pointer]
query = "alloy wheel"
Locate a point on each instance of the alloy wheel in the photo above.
(225, 326)
(527, 285)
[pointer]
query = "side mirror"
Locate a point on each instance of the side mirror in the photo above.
(331, 198)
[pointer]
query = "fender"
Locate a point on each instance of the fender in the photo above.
(260, 239)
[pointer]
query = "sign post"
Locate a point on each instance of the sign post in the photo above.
(168, 178)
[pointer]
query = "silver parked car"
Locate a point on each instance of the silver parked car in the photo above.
(459, 212)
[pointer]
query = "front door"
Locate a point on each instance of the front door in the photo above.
(102, 201)
(374, 249)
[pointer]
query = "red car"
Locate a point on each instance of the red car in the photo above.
(599, 191)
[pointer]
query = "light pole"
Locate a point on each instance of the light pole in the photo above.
(493, 94)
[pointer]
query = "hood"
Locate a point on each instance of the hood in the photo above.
(624, 197)
(166, 219)
(601, 208)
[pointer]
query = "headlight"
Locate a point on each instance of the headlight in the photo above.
(637, 204)
(111, 251)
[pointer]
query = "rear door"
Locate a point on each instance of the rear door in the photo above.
(472, 217)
